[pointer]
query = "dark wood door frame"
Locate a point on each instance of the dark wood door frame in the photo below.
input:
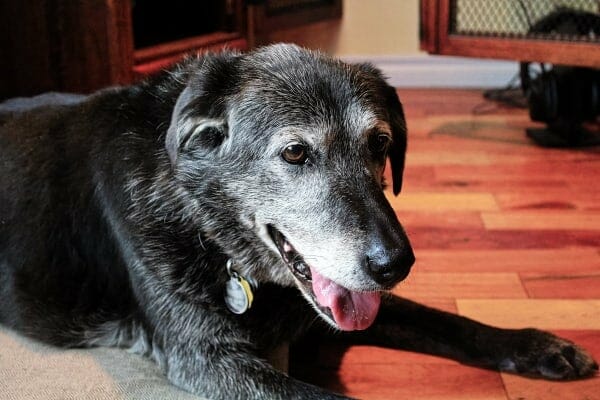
(436, 38)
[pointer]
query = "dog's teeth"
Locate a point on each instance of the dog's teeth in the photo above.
(287, 247)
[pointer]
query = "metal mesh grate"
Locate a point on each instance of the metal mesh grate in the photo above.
(569, 20)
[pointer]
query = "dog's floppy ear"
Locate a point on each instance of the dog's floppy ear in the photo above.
(397, 151)
(198, 119)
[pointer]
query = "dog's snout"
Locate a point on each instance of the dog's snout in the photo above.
(389, 266)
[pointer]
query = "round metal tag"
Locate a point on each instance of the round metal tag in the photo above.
(238, 295)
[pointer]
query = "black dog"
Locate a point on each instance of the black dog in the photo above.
(207, 215)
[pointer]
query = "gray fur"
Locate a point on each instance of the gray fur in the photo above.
(121, 210)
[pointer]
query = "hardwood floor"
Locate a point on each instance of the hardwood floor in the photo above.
(504, 231)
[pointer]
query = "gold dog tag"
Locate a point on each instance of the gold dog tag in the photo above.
(238, 292)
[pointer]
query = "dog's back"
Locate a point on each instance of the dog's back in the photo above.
(52, 229)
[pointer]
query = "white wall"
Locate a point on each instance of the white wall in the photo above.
(379, 27)
(367, 27)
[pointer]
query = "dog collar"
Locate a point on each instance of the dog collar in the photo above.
(238, 292)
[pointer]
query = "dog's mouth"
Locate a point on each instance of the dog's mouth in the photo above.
(348, 310)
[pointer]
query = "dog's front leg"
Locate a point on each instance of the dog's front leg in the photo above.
(222, 368)
(410, 326)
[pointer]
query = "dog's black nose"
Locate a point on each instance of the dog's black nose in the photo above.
(389, 266)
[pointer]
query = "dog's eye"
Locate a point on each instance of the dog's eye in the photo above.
(379, 142)
(295, 153)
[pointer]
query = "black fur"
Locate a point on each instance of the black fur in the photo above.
(118, 214)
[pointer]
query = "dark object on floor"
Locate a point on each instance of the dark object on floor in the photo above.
(563, 97)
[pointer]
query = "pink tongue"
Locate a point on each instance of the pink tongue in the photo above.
(351, 310)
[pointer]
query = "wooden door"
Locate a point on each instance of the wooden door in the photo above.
(266, 17)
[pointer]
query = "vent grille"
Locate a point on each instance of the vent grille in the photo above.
(566, 20)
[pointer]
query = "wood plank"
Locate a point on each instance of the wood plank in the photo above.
(490, 153)
(542, 219)
(583, 54)
(178, 47)
(413, 174)
(485, 130)
(441, 303)
(449, 219)
(519, 387)
(414, 382)
(582, 259)
(431, 201)
(435, 102)
(437, 157)
(462, 285)
(416, 183)
(375, 381)
(563, 284)
(469, 238)
(419, 128)
(539, 313)
(544, 198)
(161, 62)
(575, 171)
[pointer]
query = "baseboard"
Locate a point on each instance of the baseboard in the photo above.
(441, 71)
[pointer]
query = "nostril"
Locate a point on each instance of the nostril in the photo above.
(379, 265)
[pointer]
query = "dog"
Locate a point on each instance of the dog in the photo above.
(207, 215)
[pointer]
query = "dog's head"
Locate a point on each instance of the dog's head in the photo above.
(286, 149)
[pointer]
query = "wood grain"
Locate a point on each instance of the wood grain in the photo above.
(539, 313)
(543, 219)
(428, 201)
(563, 284)
(534, 261)
(423, 285)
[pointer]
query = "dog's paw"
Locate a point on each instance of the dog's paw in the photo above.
(542, 354)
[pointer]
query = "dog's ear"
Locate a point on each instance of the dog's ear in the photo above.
(397, 151)
(198, 119)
